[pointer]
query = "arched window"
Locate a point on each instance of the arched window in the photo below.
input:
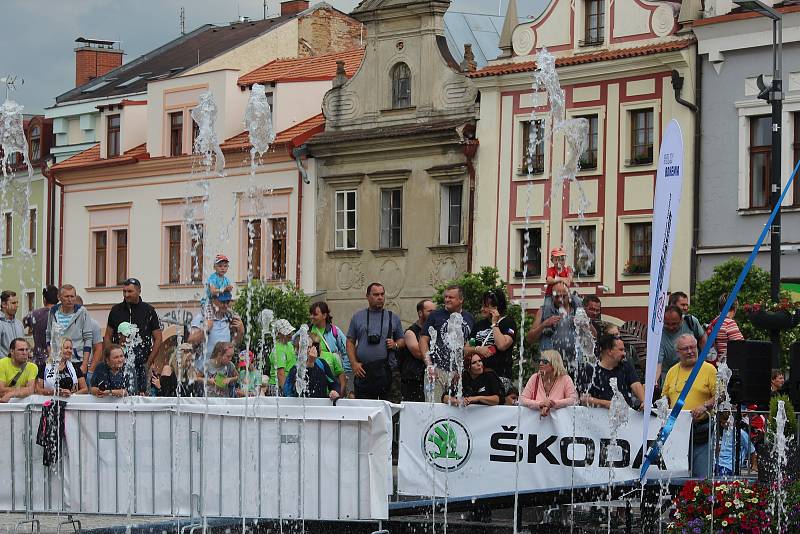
(401, 86)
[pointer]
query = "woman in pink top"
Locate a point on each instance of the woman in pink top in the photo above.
(551, 388)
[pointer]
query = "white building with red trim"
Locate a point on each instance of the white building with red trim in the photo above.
(618, 63)
(154, 213)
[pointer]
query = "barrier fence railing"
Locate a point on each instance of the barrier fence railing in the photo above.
(189, 458)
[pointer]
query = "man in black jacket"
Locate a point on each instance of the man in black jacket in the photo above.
(135, 311)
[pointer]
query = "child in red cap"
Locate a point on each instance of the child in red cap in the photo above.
(559, 271)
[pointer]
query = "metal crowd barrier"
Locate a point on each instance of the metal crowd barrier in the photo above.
(241, 458)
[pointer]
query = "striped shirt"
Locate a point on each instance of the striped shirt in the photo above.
(729, 331)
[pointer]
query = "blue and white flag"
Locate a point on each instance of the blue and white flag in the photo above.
(666, 203)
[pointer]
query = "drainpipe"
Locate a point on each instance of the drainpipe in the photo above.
(61, 239)
(470, 147)
(677, 85)
(302, 177)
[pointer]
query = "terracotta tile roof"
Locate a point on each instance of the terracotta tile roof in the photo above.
(91, 158)
(608, 55)
(305, 69)
(294, 136)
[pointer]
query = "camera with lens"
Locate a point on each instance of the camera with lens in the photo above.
(374, 339)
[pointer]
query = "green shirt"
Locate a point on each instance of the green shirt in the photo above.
(282, 357)
(333, 361)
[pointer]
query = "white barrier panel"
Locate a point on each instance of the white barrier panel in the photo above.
(464, 452)
(224, 457)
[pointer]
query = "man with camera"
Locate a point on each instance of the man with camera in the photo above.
(373, 335)
(223, 325)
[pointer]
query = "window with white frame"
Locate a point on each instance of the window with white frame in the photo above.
(584, 246)
(109, 227)
(391, 218)
(530, 252)
(346, 220)
(450, 224)
(30, 301)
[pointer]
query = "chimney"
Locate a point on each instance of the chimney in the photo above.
(95, 57)
(293, 7)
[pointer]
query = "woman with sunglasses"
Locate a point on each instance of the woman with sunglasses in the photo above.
(551, 388)
(478, 386)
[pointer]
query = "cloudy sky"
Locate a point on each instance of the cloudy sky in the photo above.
(38, 37)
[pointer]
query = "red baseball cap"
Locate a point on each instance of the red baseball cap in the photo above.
(220, 258)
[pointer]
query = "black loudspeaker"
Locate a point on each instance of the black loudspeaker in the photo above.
(792, 386)
(751, 363)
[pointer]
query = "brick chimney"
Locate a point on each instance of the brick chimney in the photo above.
(95, 57)
(293, 7)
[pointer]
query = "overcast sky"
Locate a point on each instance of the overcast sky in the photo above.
(38, 37)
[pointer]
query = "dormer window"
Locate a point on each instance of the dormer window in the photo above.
(594, 22)
(401, 86)
(36, 144)
(112, 136)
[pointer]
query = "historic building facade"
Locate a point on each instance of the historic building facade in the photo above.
(619, 64)
(395, 164)
(736, 153)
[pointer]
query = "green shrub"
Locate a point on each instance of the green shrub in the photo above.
(287, 301)
(756, 288)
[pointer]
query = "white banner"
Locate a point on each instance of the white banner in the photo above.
(666, 203)
(215, 457)
(464, 452)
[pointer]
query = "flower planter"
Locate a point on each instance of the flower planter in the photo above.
(774, 320)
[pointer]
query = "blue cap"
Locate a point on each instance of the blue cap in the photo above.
(225, 296)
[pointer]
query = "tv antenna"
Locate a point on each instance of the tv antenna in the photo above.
(11, 83)
(183, 21)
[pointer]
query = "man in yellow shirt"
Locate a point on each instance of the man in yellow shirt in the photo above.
(699, 400)
(17, 374)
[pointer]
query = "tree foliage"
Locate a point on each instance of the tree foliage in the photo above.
(756, 288)
(287, 302)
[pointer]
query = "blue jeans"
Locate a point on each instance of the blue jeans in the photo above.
(701, 462)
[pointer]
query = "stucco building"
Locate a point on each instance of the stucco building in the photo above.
(395, 163)
(735, 155)
(24, 222)
(618, 63)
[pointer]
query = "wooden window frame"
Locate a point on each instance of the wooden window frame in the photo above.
(120, 255)
(278, 261)
(644, 259)
(649, 132)
(100, 254)
(113, 141)
(175, 132)
(759, 150)
(576, 231)
(8, 233)
(589, 159)
(538, 150)
(535, 262)
(391, 219)
(401, 86)
(33, 229)
(593, 23)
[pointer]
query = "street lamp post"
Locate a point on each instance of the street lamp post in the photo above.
(774, 95)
